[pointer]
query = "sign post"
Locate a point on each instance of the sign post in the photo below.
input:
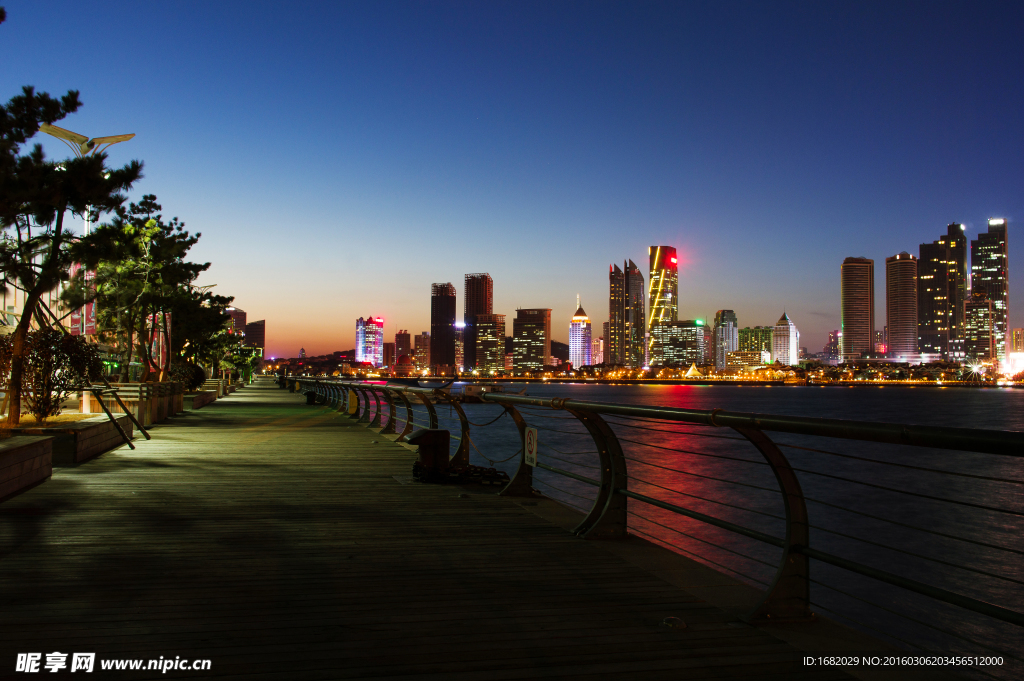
(530, 446)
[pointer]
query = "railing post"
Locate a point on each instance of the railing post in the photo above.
(375, 422)
(788, 598)
(364, 414)
(408, 414)
(389, 429)
(607, 517)
(461, 456)
(521, 484)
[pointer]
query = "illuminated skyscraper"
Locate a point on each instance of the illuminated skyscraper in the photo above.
(941, 294)
(756, 339)
(478, 300)
(460, 346)
(370, 340)
(663, 295)
(989, 272)
(531, 339)
(681, 343)
(727, 337)
(597, 351)
(490, 343)
(442, 324)
(980, 327)
(579, 338)
(626, 322)
(421, 351)
(1017, 344)
(786, 342)
(901, 305)
(857, 321)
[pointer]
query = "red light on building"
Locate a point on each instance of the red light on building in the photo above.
(673, 260)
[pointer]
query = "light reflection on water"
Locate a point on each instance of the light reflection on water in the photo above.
(674, 466)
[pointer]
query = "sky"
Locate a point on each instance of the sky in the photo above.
(339, 158)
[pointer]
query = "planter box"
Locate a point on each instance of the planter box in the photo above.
(80, 441)
(199, 400)
(24, 461)
(149, 402)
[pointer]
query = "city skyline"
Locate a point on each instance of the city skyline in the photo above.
(536, 142)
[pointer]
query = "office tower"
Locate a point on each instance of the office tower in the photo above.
(708, 358)
(989, 271)
(941, 294)
(421, 350)
(478, 300)
(579, 338)
(727, 338)
(857, 321)
(389, 355)
(460, 347)
(403, 345)
(605, 352)
(831, 349)
(597, 351)
(442, 324)
(370, 340)
(681, 343)
(490, 343)
(1017, 343)
(900, 338)
(237, 323)
(755, 339)
(256, 334)
(786, 342)
(626, 322)
(531, 339)
(663, 295)
(980, 327)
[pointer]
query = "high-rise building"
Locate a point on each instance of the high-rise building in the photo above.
(237, 323)
(1017, 343)
(708, 358)
(460, 344)
(389, 355)
(478, 300)
(370, 340)
(626, 321)
(857, 321)
(531, 339)
(980, 327)
(755, 339)
(989, 266)
(421, 350)
(681, 343)
(786, 342)
(663, 295)
(302, 353)
(579, 338)
(442, 324)
(256, 334)
(831, 349)
(490, 343)
(597, 351)
(941, 294)
(403, 345)
(727, 337)
(900, 338)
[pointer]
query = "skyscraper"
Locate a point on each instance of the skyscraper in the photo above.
(727, 338)
(989, 272)
(490, 343)
(980, 327)
(579, 338)
(442, 324)
(478, 300)
(681, 343)
(370, 340)
(460, 344)
(901, 304)
(663, 294)
(237, 323)
(421, 351)
(786, 342)
(756, 339)
(403, 345)
(626, 322)
(256, 334)
(857, 321)
(941, 294)
(531, 339)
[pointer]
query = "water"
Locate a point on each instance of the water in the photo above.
(671, 462)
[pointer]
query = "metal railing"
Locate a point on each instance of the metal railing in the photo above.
(615, 491)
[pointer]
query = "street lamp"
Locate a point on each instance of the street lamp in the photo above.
(82, 146)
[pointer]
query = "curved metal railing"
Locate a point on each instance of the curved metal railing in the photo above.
(622, 486)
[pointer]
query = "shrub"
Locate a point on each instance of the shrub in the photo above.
(189, 374)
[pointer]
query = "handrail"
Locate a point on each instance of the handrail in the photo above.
(788, 596)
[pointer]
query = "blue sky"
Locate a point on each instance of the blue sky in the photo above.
(338, 158)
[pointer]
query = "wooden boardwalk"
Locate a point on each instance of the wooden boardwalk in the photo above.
(274, 539)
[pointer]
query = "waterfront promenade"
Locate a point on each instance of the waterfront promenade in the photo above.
(281, 540)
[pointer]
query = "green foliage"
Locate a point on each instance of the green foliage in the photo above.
(56, 365)
(188, 374)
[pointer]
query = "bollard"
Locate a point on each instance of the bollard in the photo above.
(432, 465)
